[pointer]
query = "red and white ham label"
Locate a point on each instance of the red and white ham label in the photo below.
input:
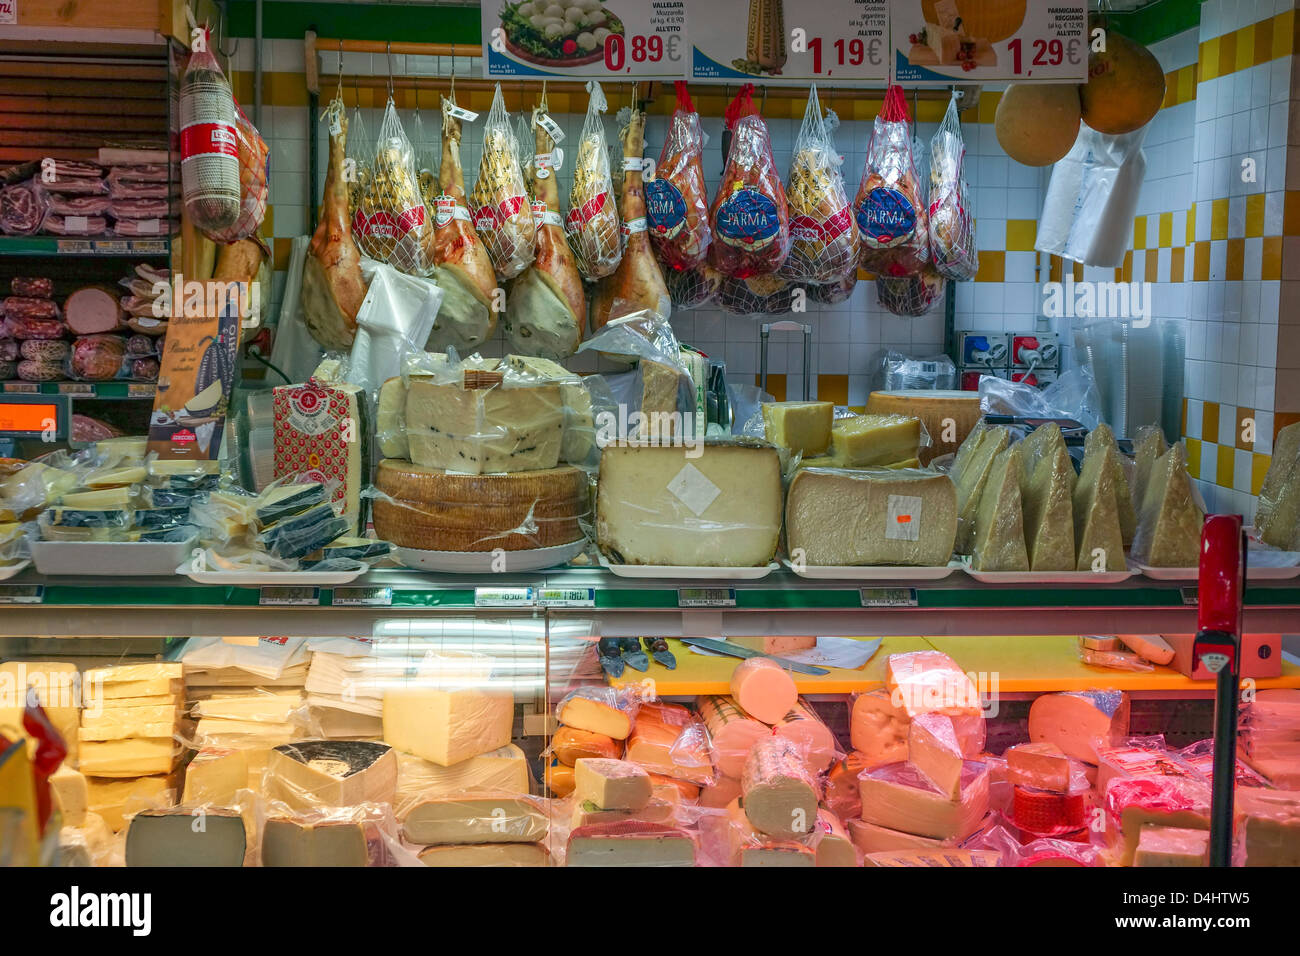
(491, 218)
(446, 209)
(207, 139)
(579, 216)
(633, 226)
(539, 213)
(809, 229)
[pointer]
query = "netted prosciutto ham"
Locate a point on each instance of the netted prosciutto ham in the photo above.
(677, 204)
(499, 203)
(638, 284)
(750, 217)
(592, 222)
(332, 285)
(824, 237)
(890, 207)
(461, 265)
(545, 306)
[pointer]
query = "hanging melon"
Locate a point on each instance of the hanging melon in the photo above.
(1037, 123)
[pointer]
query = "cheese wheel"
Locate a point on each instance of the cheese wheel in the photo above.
(732, 731)
(763, 689)
(780, 795)
(1150, 646)
(570, 743)
(560, 778)
(937, 409)
(806, 730)
(433, 510)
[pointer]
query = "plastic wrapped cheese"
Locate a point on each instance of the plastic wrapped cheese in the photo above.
(763, 688)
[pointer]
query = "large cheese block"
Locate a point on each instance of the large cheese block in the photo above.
(390, 419)
(170, 838)
(630, 843)
(804, 727)
(780, 793)
(448, 725)
(873, 838)
(922, 682)
(660, 388)
(948, 416)
(57, 688)
(433, 510)
(475, 818)
(311, 774)
(932, 748)
(114, 798)
(871, 517)
(716, 505)
(1080, 722)
(611, 784)
(898, 797)
(831, 842)
(999, 543)
(1149, 445)
(486, 854)
(1043, 766)
(132, 757)
(482, 430)
(569, 744)
(1047, 491)
(1172, 846)
(668, 740)
(1169, 527)
(1269, 823)
(803, 427)
(597, 716)
(322, 433)
(1103, 437)
(1134, 802)
(503, 769)
(292, 842)
(579, 437)
(866, 440)
(213, 777)
(763, 689)
(970, 472)
(878, 728)
(1277, 513)
(941, 858)
(1098, 538)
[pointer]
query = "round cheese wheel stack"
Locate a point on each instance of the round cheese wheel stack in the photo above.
(936, 408)
(433, 510)
(802, 727)
(780, 795)
(732, 732)
(763, 689)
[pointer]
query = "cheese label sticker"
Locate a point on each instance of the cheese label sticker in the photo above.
(749, 220)
(664, 208)
(693, 489)
(886, 217)
(903, 518)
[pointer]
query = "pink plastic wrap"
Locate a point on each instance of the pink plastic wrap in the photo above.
(923, 682)
(890, 207)
(1041, 852)
(677, 208)
(668, 739)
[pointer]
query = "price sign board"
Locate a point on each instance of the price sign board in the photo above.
(772, 43)
(614, 39)
(976, 41)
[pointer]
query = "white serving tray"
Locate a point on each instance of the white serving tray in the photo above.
(1168, 574)
(271, 578)
(111, 558)
(687, 572)
(485, 562)
(829, 572)
(11, 570)
(1048, 577)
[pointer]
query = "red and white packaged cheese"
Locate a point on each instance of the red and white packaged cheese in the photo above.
(890, 206)
(320, 435)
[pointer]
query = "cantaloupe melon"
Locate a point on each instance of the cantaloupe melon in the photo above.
(992, 20)
(1037, 123)
(1125, 86)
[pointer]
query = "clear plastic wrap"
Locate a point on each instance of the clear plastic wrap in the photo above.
(365, 834)
(677, 206)
(503, 218)
(210, 177)
(357, 156)
(912, 295)
(824, 246)
(23, 208)
(669, 740)
(890, 205)
(1118, 659)
(254, 174)
(1169, 520)
(592, 222)
(1073, 395)
(749, 215)
(951, 221)
(903, 372)
(611, 711)
(473, 816)
(779, 791)
(1268, 827)
(389, 223)
(1134, 802)
(1039, 852)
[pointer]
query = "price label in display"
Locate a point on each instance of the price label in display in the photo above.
(76, 388)
(706, 597)
(22, 593)
(566, 597)
(503, 597)
(75, 247)
(140, 390)
(149, 247)
(113, 247)
(289, 596)
(362, 597)
(8, 11)
(22, 388)
(888, 597)
(773, 43)
(623, 39)
(938, 41)
(1189, 596)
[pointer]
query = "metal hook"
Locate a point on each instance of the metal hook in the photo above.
(389, 54)
(339, 94)
(221, 31)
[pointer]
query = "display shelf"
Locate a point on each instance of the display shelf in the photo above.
(82, 389)
(62, 246)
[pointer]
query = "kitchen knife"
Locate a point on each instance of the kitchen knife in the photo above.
(735, 650)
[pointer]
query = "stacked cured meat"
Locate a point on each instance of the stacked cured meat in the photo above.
(79, 198)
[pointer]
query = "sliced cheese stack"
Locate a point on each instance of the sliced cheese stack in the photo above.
(871, 517)
(802, 427)
(716, 505)
(1269, 823)
(1169, 528)
(1277, 513)
(480, 819)
(248, 721)
(1269, 736)
(970, 472)
(1098, 538)
(345, 692)
(432, 509)
(948, 416)
(999, 543)
(1135, 803)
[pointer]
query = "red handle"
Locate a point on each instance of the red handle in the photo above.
(1222, 575)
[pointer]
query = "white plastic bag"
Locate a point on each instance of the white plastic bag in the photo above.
(394, 320)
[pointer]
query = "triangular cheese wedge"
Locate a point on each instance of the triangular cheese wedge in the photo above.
(971, 478)
(999, 520)
(1043, 442)
(1048, 495)
(1102, 435)
(1096, 513)
(1149, 445)
(1277, 513)
(1169, 534)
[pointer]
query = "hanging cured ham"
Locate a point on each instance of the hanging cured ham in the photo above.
(545, 306)
(332, 285)
(637, 284)
(462, 267)
(676, 202)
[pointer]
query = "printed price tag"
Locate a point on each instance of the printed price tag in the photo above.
(22, 388)
(114, 247)
(289, 596)
(75, 247)
(503, 597)
(362, 597)
(566, 597)
(76, 388)
(888, 597)
(706, 597)
(141, 390)
(149, 247)
(460, 113)
(22, 593)
(552, 128)
(8, 11)
(1189, 596)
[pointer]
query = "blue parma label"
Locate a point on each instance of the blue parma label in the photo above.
(665, 208)
(886, 217)
(748, 220)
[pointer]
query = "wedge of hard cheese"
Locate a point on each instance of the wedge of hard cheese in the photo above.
(803, 427)
(1080, 722)
(897, 797)
(611, 784)
(631, 843)
(970, 471)
(1269, 821)
(1277, 514)
(1169, 529)
(871, 517)
(475, 818)
(999, 543)
(1149, 445)
(1172, 846)
(170, 838)
(863, 441)
(878, 728)
(1048, 495)
(292, 842)
(922, 682)
(932, 748)
(213, 777)
(312, 774)
(1043, 766)
(1098, 538)
(57, 687)
(1102, 437)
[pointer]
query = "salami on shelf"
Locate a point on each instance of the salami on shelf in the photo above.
(823, 235)
(9, 350)
(890, 207)
(23, 207)
(22, 307)
(17, 327)
(92, 310)
(44, 350)
(32, 370)
(32, 287)
(677, 206)
(209, 151)
(749, 216)
(97, 358)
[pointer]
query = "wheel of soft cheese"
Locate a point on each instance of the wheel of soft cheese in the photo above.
(936, 408)
(763, 689)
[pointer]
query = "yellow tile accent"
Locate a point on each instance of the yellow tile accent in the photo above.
(1227, 54)
(1140, 232)
(1255, 215)
(1055, 268)
(1191, 225)
(1127, 268)
(1236, 264)
(988, 105)
(1201, 262)
(1193, 456)
(776, 385)
(1077, 269)
(1242, 415)
(1187, 83)
(1152, 267)
(1245, 47)
(280, 251)
(1223, 470)
(1263, 42)
(1271, 267)
(1219, 219)
(1210, 421)
(831, 388)
(993, 266)
(1166, 238)
(1177, 264)
(1208, 59)
(1258, 469)
(1291, 213)
(1283, 33)
(1021, 234)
